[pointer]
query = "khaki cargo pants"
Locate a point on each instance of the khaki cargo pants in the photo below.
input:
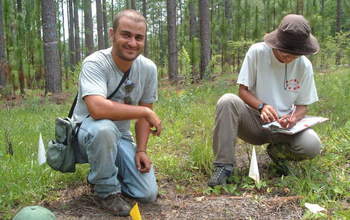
(235, 119)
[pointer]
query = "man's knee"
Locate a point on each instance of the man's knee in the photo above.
(150, 195)
(105, 130)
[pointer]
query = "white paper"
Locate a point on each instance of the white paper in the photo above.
(314, 208)
(41, 151)
(254, 169)
(301, 125)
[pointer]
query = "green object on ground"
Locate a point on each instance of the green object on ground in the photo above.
(34, 213)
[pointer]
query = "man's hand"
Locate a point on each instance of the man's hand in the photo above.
(154, 122)
(268, 114)
(143, 163)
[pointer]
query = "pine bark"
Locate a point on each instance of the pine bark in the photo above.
(71, 39)
(105, 27)
(51, 57)
(144, 12)
(204, 30)
(133, 4)
(3, 62)
(338, 29)
(77, 32)
(192, 34)
(21, 77)
(99, 19)
(89, 41)
(172, 58)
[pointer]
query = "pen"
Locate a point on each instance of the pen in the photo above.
(292, 114)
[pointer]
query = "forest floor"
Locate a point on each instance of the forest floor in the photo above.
(76, 203)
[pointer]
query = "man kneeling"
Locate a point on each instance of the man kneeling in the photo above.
(118, 165)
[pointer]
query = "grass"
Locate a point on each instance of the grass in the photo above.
(183, 153)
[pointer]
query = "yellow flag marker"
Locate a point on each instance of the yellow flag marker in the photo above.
(135, 213)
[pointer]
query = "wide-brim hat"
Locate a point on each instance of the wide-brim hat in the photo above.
(293, 36)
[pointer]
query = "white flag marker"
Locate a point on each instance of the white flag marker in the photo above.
(254, 169)
(41, 151)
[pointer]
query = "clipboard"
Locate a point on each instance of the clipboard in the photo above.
(306, 122)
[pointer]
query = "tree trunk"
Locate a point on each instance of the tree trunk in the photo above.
(63, 52)
(99, 19)
(337, 30)
(71, 39)
(39, 68)
(323, 20)
(89, 40)
(112, 11)
(51, 57)
(246, 19)
(172, 58)
(228, 16)
(133, 4)
(20, 45)
(192, 14)
(144, 12)
(338, 17)
(204, 36)
(3, 62)
(105, 27)
(77, 32)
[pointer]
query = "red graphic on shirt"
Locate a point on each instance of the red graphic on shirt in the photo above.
(293, 84)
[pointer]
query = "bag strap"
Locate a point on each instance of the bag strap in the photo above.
(125, 76)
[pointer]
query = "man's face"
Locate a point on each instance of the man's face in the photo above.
(128, 39)
(284, 57)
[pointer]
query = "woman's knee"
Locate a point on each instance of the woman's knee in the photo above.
(227, 98)
(310, 143)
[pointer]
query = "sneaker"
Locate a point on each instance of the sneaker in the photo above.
(113, 204)
(219, 176)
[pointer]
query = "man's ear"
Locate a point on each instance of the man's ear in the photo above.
(111, 34)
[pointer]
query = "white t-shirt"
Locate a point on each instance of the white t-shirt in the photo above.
(100, 76)
(265, 77)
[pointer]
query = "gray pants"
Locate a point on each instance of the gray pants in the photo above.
(234, 118)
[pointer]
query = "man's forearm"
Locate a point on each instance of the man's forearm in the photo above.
(102, 108)
(142, 131)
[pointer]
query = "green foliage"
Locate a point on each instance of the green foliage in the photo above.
(23, 180)
(182, 154)
(185, 64)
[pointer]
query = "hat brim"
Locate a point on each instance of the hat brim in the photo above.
(310, 46)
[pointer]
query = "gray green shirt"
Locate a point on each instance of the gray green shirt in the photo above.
(100, 76)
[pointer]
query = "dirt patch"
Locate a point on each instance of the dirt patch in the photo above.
(76, 203)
